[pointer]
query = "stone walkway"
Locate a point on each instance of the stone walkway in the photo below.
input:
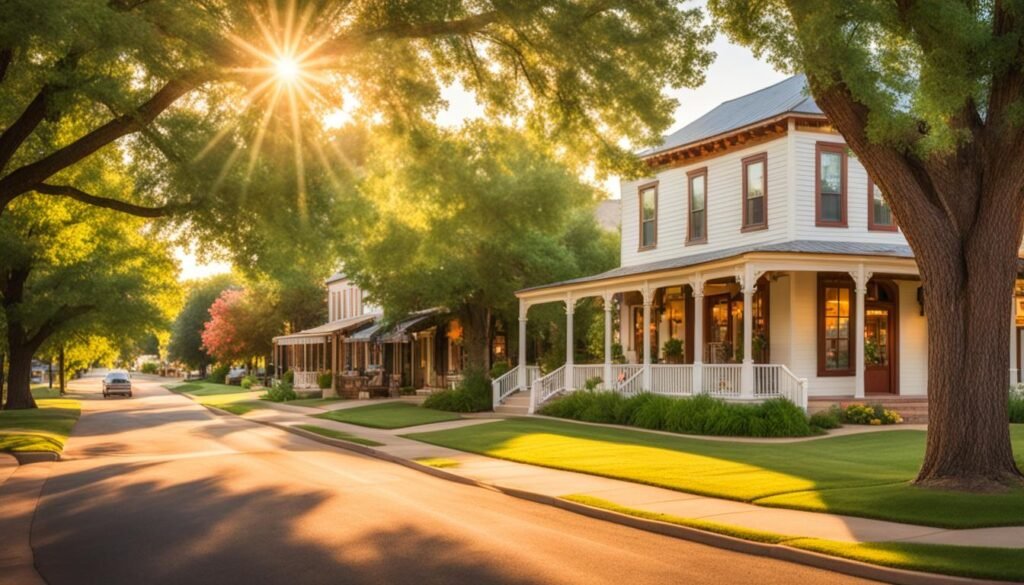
(556, 483)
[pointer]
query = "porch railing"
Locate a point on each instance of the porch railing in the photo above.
(632, 385)
(306, 380)
(532, 373)
(623, 372)
(722, 380)
(583, 373)
(545, 388)
(505, 385)
(672, 379)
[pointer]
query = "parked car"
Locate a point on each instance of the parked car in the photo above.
(235, 376)
(117, 382)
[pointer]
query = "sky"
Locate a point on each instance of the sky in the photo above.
(735, 72)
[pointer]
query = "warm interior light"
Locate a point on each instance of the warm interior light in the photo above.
(287, 69)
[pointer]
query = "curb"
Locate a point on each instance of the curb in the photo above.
(27, 457)
(776, 551)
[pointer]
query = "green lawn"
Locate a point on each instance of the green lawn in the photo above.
(389, 415)
(977, 562)
(340, 435)
(207, 389)
(864, 475)
(43, 429)
(234, 399)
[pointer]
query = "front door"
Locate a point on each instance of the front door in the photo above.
(880, 358)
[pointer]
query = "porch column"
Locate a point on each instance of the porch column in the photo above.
(523, 308)
(697, 286)
(747, 371)
(607, 341)
(335, 342)
(860, 281)
(570, 308)
(646, 332)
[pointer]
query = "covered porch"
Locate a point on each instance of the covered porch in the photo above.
(752, 327)
(311, 352)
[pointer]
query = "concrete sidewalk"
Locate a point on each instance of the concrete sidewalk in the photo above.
(556, 483)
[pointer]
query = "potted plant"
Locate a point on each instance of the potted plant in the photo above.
(672, 351)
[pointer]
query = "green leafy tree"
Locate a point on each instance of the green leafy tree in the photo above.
(465, 221)
(930, 96)
(67, 267)
(186, 344)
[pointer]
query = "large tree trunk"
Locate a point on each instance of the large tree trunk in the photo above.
(475, 321)
(19, 382)
(968, 302)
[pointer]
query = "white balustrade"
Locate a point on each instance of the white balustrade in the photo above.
(632, 385)
(586, 372)
(776, 380)
(532, 373)
(548, 386)
(722, 380)
(505, 385)
(672, 379)
(623, 372)
(306, 380)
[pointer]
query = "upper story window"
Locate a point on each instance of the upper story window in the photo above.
(697, 232)
(648, 216)
(879, 213)
(831, 184)
(755, 192)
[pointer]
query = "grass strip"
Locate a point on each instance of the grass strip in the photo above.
(39, 429)
(438, 462)
(340, 435)
(389, 415)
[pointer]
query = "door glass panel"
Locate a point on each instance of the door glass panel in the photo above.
(876, 337)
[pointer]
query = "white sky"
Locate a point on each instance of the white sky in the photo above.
(734, 73)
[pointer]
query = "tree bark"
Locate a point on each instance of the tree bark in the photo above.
(19, 393)
(63, 387)
(475, 325)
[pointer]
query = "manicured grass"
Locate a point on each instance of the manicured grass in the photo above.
(389, 415)
(315, 402)
(41, 391)
(41, 429)
(978, 562)
(864, 475)
(340, 435)
(207, 389)
(438, 462)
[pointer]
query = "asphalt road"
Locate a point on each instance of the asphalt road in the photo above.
(156, 489)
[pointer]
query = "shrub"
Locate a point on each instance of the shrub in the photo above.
(1017, 404)
(289, 377)
(283, 391)
(672, 349)
(218, 373)
(593, 383)
(248, 381)
(150, 368)
(827, 419)
(499, 369)
(407, 391)
(873, 414)
(700, 415)
(324, 379)
(473, 394)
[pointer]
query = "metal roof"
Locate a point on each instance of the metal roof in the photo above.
(795, 246)
(320, 333)
(789, 96)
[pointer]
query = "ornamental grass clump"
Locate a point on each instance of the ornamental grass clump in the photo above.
(699, 415)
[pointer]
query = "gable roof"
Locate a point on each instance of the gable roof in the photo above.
(789, 96)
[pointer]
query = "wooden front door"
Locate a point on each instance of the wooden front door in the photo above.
(880, 339)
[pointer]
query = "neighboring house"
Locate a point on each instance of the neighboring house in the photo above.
(762, 244)
(369, 354)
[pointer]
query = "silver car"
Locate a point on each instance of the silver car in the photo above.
(117, 382)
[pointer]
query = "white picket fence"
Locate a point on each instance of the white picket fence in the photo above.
(722, 380)
(672, 379)
(306, 380)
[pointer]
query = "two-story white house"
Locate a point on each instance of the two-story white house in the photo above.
(761, 243)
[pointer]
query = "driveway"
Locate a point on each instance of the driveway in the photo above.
(156, 489)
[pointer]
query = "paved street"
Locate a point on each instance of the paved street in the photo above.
(158, 490)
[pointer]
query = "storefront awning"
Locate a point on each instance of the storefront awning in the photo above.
(321, 333)
(400, 333)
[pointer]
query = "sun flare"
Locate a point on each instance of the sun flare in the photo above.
(287, 69)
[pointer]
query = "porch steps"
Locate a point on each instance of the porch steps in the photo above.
(913, 409)
(517, 404)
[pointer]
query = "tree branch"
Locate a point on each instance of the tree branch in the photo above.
(6, 55)
(107, 203)
(60, 317)
(424, 30)
(30, 175)
(22, 128)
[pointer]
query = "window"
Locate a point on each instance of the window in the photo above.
(698, 222)
(879, 213)
(648, 216)
(836, 326)
(831, 184)
(755, 191)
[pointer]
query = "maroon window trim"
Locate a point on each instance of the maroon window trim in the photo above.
(840, 149)
(690, 176)
(640, 218)
(827, 280)
(763, 159)
(871, 212)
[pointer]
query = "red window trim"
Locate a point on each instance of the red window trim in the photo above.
(690, 240)
(840, 149)
(757, 158)
(836, 280)
(872, 226)
(640, 217)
